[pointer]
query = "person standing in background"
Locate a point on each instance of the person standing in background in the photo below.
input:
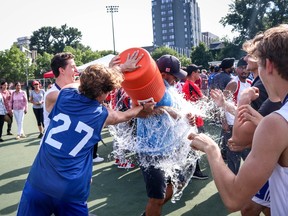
(7, 97)
(2, 114)
(19, 107)
(193, 93)
(37, 99)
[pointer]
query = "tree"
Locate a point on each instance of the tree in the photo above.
(163, 51)
(200, 55)
(166, 50)
(14, 65)
(53, 40)
(42, 64)
(248, 17)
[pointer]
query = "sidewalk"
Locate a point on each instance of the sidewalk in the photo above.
(114, 192)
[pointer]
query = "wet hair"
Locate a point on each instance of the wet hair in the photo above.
(98, 79)
(60, 60)
(273, 45)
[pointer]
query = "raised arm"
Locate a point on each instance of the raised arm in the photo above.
(266, 150)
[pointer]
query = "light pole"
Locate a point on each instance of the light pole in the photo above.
(112, 9)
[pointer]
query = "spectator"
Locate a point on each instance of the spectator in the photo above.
(37, 99)
(2, 114)
(7, 97)
(20, 107)
(193, 93)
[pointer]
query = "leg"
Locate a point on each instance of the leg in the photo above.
(1, 126)
(9, 125)
(159, 191)
(17, 117)
(33, 202)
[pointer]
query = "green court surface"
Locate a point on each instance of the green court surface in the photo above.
(114, 192)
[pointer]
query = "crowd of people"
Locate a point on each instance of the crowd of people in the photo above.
(249, 166)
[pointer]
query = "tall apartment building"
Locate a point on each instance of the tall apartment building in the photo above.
(176, 23)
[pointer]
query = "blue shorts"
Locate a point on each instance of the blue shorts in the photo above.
(156, 182)
(35, 203)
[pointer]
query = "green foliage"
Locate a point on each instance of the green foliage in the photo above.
(14, 65)
(42, 64)
(166, 50)
(200, 55)
(248, 17)
(163, 51)
(53, 40)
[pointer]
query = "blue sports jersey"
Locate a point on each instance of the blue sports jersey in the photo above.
(154, 133)
(63, 165)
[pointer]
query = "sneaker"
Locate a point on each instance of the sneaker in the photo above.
(126, 165)
(40, 135)
(98, 159)
(17, 137)
(199, 175)
(22, 136)
(1, 140)
(9, 133)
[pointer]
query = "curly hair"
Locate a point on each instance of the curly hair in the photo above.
(273, 45)
(98, 79)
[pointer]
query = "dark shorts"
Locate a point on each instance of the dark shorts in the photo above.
(156, 182)
(35, 203)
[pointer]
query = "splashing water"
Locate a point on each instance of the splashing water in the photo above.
(172, 152)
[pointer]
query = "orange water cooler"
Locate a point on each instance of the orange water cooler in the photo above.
(145, 83)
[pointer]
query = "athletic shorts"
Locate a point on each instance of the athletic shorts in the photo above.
(156, 182)
(35, 203)
(263, 196)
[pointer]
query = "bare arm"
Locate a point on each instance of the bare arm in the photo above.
(115, 117)
(51, 100)
(219, 98)
(266, 150)
(243, 131)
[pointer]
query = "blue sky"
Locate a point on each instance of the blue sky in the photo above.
(132, 24)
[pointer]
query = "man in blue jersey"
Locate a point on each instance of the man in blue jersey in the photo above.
(59, 180)
(268, 158)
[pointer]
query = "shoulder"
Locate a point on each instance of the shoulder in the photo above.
(52, 95)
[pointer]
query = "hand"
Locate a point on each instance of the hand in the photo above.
(148, 106)
(234, 147)
(115, 61)
(218, 97)
(247, 113)
(191, 119)
(201, 142)
(248, 95)
(131, 62)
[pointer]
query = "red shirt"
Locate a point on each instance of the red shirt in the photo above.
(192, 92)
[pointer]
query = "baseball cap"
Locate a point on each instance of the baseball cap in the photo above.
(35, 82)
(171, 65)
(192, 68)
